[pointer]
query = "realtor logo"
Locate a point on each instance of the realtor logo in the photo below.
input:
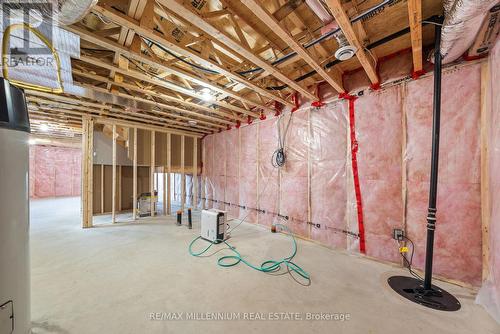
(23, 21)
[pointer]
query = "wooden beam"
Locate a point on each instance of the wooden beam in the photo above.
(134, 178)
(102, 188)
(333, 77)
(345, 24)
(225, 39)
(415, 18)
(164, 197)
(169, 170)
(195, 173)
(152, 175)
(119, 187)
(113, 184)
(121, 19)
(155, 62)
(485, 171)
(183, 176)
(87, 171)
(165, 84)
(103, 113)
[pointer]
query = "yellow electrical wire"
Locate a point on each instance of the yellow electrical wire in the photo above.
(6, 36)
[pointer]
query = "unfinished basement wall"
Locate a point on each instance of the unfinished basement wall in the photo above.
(54, 171)
(489, 295)
(316, 192)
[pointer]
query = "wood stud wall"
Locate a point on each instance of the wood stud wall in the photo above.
(117, 173)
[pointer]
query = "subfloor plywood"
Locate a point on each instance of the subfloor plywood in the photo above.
(110, 279)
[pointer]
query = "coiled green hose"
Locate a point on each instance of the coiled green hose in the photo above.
(266, 266)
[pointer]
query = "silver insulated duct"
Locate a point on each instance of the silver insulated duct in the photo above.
(65, 12)
(462, 22)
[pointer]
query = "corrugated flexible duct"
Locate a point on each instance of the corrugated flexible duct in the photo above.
(462, 21)
(65, 12)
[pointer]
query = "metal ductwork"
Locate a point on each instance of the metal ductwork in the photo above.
(65, 12)
(462, 22)
(345, 50)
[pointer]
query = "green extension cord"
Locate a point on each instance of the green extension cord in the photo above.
(266, 266)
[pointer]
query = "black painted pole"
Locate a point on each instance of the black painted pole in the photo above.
(431, 215)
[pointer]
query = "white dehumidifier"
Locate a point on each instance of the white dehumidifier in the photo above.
(213, 225)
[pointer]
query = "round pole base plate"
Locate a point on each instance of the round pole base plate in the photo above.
(413, 290)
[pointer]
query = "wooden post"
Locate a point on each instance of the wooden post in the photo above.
(485, 184)
(195, 172)
(119, 188)
(134, 178)
(113, 189)
(203, 192)
(87, 170)
(102, 188)
(164, 191)
(152, 175)
(183, 176)
(169, 170)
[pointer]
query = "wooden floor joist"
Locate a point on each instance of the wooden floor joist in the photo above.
(221, 37)
(121, 19)
(344, 23)
(415, 18)
(333, 77)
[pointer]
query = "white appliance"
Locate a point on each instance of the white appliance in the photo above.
(213, 225)
(14, 211)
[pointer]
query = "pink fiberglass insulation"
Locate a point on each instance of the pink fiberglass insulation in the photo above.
(232, 182)
(379, 136)
(457, 251)
(54, 171)
(208, 161)
(316, 186)
(219, 170)
(294, 175)
(248, 171)
(328, 154)
(489, 295)
(268, 175)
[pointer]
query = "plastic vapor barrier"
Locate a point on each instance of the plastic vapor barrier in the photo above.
(358, 168)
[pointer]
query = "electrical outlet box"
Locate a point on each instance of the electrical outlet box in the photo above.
(398, 234)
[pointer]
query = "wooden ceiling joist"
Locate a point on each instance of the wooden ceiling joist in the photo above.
(156, 37)
(124, 118)
(164, 66)
(169, 85)
(96, 107)
(228, 41)
(118, 115)
(333, 77)
(415, 18)
(123, 113)
(345, 25)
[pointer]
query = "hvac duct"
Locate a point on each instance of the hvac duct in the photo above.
(65, 12)
(321, 12)
(345, 51)
(462, 21)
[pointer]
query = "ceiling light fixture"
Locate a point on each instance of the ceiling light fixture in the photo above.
(44, 127)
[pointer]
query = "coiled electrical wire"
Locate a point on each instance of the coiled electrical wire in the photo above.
(278, 158)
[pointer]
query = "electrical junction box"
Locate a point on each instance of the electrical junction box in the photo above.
(213, 225)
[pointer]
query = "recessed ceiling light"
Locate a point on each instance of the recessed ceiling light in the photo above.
(44, 127)
(192, 122)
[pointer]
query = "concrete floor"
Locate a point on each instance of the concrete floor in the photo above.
(110, 279)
